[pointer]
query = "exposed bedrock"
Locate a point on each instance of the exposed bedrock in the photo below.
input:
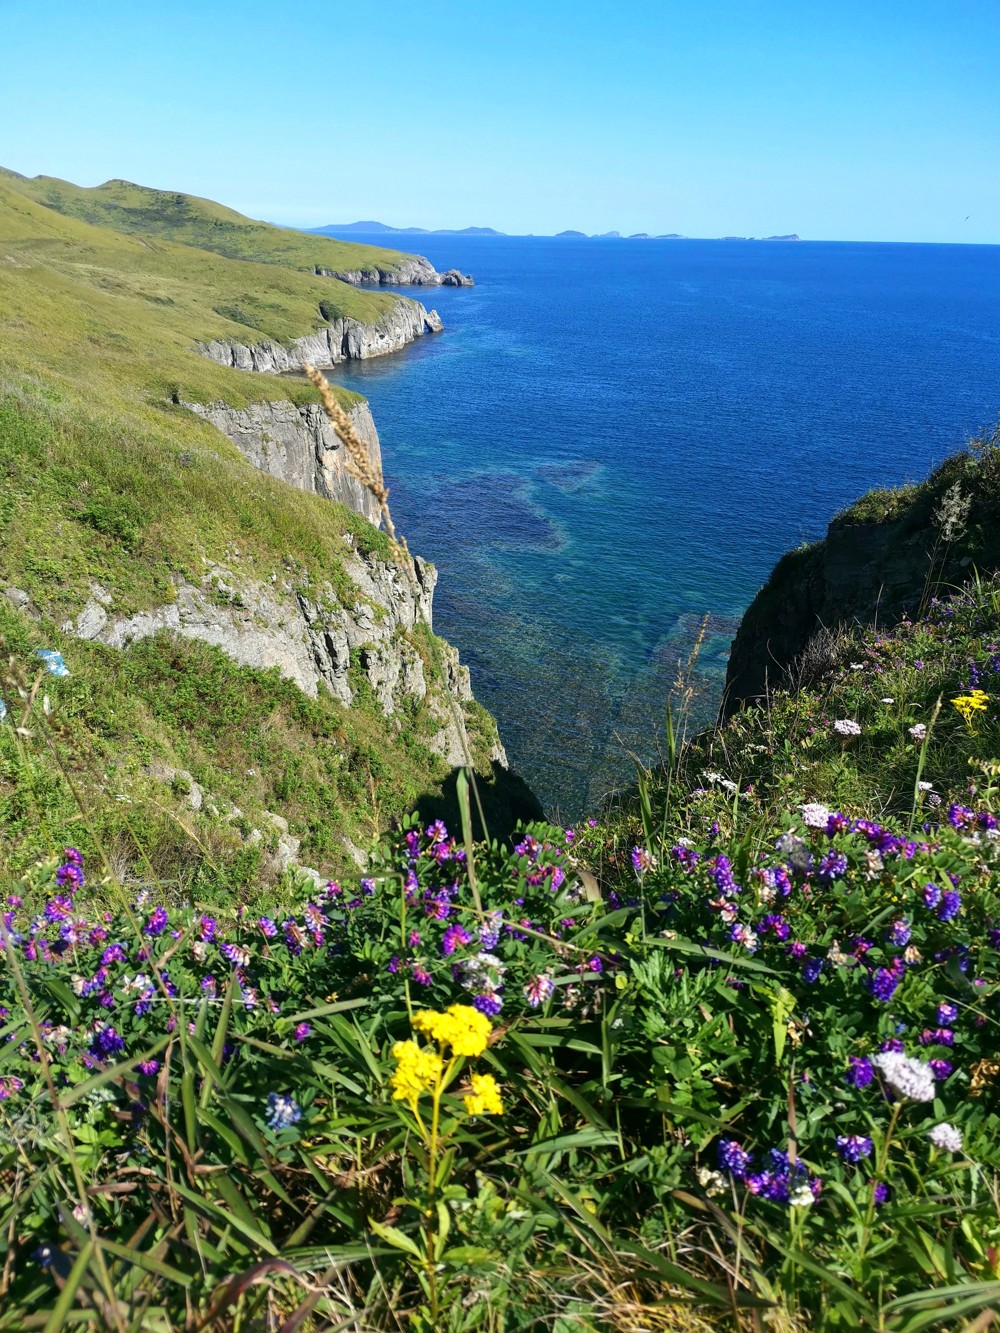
(415, 272)
(298, 445)
(342, 339)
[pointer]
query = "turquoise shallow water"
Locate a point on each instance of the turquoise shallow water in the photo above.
(612, 440)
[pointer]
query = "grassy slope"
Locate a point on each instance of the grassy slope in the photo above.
(137, 209)
(104, 477)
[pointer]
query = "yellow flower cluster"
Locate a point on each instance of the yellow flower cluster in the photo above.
(417, 1070)
(484, 1099)
(970, 704)
(461, 1027)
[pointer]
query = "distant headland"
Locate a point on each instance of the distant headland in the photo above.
(381, 228)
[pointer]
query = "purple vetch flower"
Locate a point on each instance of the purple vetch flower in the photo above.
(898, 933)
(861, 1072)
(941, 1069)
(420, 975)
(489, 1003)
(797, 949)
(774, 924)
(882, 984)
(207, 927)
(733, 1158)
(931, 895)
(946, 1013)
(114, 953)
(937, 1037)
(489, 932)
(852, 1147)
(267, 927)
(301, 1031)
(893, 1044)
(960, 816)
(158, 922)
(106, 1043)
(721, 872)
(642, 860)
(283, 1111)
(595, 964)
(832, 866)
(235, 954)
(538, 989)
(148, 1067)
(452, 938)
(437, 832)
(951, 905)
(811, 970)
(881, 1192)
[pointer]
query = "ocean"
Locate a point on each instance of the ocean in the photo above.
(613, 440)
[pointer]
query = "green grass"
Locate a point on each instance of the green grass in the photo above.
(170, 215)
(106, 477)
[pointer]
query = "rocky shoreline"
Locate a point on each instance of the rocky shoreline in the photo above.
(415, 272)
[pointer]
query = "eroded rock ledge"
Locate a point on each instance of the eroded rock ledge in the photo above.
(416, 272)
(342, 339)
(298, 445)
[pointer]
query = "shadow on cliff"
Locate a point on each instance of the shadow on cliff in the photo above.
(506, 798)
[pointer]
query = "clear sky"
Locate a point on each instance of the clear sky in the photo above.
(840, 119)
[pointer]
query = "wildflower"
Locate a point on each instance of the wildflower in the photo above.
(801, 1195)
(489, 933)
(861, 1071)
(907, 1077)
(301, 1031)
(484, 1099)
(946, 1137)
(899, 933)
(811, 970)
(882, 984)
(918, 731)
(105, 1043)
(9, 1084)
(53, 660)
(931, 895)
(815, 815)
(148, 1067)
(742, 934)
(970, 705)
(852, 1147)
(951, 903)
(832, 866)
(733, 1158)
(420, 975)
(267, 927)
(463, 1028)
(452, 937)
(157, 923)
(437, 832)
(538, 989)
(844, 726)
(642, 860)
(282, 1111)
(235, 954)
(941, 1068)
(489, 1003)
(946, 1013)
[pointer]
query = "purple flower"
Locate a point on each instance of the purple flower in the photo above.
(861, 1071)
(283, 1111)
(942, 1069)
(882, 984)
(267, 927)
(893, 1044)
(797, 949)
(157, 923)
(774, 924)
(811, 970)
(489, 1004)
(951, 903)
(898, 933)
(420, 975)
(946, 1013)
(452, 938)
(931, 895)
(437, 832)
(148, 1067)
(881, 1192)
(114, 953)
(832, 866)
(595, 964)
(641, 860)
(301, 1031)
(106, 1043)
(852, 1147)
(939, 1037)
(538, 989)
(722, 873)
(960, 816)
(733, 1158)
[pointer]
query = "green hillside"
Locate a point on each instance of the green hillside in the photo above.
(139, 210)
(107, 478)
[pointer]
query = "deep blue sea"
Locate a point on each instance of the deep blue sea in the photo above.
(614, 439)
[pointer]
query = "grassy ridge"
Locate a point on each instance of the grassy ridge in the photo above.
(105, 478)
(170, 215)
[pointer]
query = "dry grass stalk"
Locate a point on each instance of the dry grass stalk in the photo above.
(359, 464)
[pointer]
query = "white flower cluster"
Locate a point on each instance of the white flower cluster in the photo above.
(910, 1078)
(918, 731)
(844, 726)
(718, 780)
(814, 815)
(946, 1137)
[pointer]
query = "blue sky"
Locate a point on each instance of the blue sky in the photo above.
(858, 121)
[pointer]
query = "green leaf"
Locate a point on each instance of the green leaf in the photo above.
(399, 1240)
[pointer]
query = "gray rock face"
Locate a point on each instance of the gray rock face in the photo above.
(298, 445)
(311, 636)
(342, 339)
(414, 272)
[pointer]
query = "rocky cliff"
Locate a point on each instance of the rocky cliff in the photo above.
(299, 446)
(341, 339)
(880, 560)
(416, 272)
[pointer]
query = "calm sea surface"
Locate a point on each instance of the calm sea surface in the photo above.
(614, 439)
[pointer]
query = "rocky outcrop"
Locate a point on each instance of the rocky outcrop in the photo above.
(298, 445)
(413, 272)
(314, 637)
(341, 339)
(879, 561)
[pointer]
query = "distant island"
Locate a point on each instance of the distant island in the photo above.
(381, 228)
